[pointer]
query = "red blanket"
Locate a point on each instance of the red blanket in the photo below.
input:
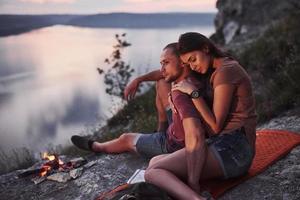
(271, 145)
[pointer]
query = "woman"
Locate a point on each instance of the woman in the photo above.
(230, 123)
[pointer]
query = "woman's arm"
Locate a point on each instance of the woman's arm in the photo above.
(132, 87)
(221, 104)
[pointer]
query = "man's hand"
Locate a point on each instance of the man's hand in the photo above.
(131, 89)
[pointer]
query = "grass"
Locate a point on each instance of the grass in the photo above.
(139, 115)
(15, 159)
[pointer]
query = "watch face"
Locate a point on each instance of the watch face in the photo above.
(195, 94)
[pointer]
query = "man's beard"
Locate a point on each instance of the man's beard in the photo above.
(172, 78)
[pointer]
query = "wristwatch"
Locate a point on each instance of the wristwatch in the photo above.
(195, 94)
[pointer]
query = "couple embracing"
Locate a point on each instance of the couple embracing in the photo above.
(206, 119)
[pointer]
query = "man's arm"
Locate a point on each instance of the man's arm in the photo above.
(196, 151)
(132, 87)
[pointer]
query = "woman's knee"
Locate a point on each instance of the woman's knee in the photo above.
(149, 175)
(154, 160)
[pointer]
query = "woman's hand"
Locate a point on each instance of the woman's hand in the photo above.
(131, 89)
(171, 103)
(184, 86)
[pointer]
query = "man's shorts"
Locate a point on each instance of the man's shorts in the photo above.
(233, 151)
(150, 145)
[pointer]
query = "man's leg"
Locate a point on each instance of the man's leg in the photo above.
(162, 90)
(126, 142)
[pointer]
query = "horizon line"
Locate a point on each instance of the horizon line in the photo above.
(175, 12)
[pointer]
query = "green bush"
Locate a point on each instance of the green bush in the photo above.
(273, 61)
(139, 115)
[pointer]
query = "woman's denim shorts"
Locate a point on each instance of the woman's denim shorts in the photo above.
(233, 152)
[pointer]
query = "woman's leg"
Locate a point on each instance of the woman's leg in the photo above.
(156, 159)
(170, 173)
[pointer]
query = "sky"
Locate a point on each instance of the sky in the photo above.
(104, 6)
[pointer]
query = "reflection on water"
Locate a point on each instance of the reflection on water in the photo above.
(49, 86)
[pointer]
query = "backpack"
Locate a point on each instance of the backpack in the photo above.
(136, 191)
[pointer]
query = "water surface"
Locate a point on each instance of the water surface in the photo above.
(49, 86)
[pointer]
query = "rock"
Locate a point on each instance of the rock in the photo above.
(38, 179)
(74, 173)
(256, 15)
(229, 31)
(77, 162)
(61, 177)
(90, 164)
(292, 172)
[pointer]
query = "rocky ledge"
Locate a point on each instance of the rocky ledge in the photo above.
(279, 181)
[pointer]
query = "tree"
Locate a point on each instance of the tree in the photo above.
(117, 76)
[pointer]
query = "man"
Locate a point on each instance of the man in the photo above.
(161, 142)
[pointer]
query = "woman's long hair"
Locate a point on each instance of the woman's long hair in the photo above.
(193, 41)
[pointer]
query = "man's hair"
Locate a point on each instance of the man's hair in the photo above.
(174, 47)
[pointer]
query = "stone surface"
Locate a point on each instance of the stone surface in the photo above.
(106, 172)
(279, 181)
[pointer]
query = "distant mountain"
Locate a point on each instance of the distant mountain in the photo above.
(131, 20)
(15, 24)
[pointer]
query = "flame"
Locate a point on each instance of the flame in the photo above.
(46, 156)
(45, 170)
(53, 163)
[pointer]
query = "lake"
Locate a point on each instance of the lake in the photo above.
(49, 85)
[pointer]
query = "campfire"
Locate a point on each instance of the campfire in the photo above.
(53, 163)
(54, 168)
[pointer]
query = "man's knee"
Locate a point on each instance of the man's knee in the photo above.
(127, 138)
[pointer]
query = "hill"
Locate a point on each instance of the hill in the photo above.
(16, 24)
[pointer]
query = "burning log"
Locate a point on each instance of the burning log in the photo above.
(53, 163)
(55, 169)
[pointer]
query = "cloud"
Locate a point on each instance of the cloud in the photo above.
(48, 1)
